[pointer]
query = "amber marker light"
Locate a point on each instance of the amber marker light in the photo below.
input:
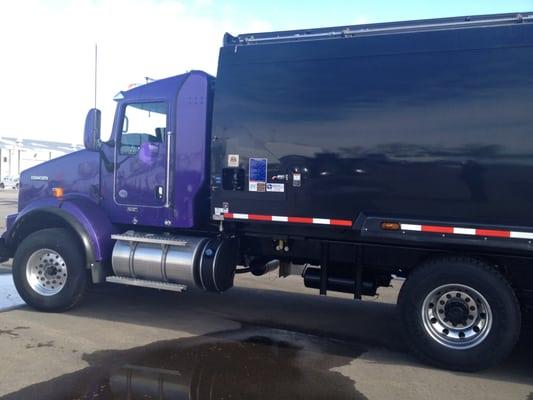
(390, 226)
(58, 192)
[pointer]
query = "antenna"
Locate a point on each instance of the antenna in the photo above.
(95, 72)
(96, 113)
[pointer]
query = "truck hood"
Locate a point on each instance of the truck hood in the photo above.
(76, 173)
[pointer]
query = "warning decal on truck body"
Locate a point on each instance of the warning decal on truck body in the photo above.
(275, 187)
(233, 160)
(258, 169)
(257, 186)
(257, 174)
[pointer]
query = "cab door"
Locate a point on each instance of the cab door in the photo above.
(142, 156)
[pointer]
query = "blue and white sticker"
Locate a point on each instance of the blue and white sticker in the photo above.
(275, 187)
(258, 170)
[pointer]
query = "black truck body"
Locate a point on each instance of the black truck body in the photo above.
(427, 126)
(416, 126)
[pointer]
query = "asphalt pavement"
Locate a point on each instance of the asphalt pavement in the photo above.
(267, 338)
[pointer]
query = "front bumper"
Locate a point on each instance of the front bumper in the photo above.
(5, 253)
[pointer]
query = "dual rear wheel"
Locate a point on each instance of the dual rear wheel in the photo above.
(459, 313)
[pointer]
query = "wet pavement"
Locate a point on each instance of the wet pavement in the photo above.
(249, 343)
(9, 297)
(249, 363)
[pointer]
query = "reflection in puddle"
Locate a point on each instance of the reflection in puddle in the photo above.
(250, 364)
(8, 294)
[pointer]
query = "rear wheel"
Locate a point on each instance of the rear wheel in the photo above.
(459, 313)
(49, 270)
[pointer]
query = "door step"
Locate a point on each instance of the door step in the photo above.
(174, 287)
(131, 236)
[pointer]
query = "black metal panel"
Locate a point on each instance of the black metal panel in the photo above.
(422, 125)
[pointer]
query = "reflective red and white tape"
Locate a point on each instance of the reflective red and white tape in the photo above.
(295, 220)
(467, 231)
(450, 230)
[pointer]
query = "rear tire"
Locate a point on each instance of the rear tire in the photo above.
(459, 313)
(49, 270)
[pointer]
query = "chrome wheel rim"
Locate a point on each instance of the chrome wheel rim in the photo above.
(46, 272)
(456, 316)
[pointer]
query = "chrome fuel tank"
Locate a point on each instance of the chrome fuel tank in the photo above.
(163, 258)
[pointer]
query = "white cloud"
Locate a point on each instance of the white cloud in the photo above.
(203, 3)
(257, 25)
(47, 56)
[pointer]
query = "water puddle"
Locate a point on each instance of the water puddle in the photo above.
(251, 363)
(9, 297)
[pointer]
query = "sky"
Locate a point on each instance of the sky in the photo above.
(48, 46)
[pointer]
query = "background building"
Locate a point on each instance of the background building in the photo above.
(16, 155)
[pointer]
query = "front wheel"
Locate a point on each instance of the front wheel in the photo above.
(459, 313)
(49, 270)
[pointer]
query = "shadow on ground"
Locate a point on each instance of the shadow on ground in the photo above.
(368, 324)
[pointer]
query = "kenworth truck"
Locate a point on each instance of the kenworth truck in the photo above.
(345, 155)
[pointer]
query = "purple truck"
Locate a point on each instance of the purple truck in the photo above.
(344, 155)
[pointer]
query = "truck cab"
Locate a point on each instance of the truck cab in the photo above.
(146, 185)
(151, 170)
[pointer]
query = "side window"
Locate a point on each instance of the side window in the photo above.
(143, 123)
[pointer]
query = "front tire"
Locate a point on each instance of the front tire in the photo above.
(49, 270)
(459, 313)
